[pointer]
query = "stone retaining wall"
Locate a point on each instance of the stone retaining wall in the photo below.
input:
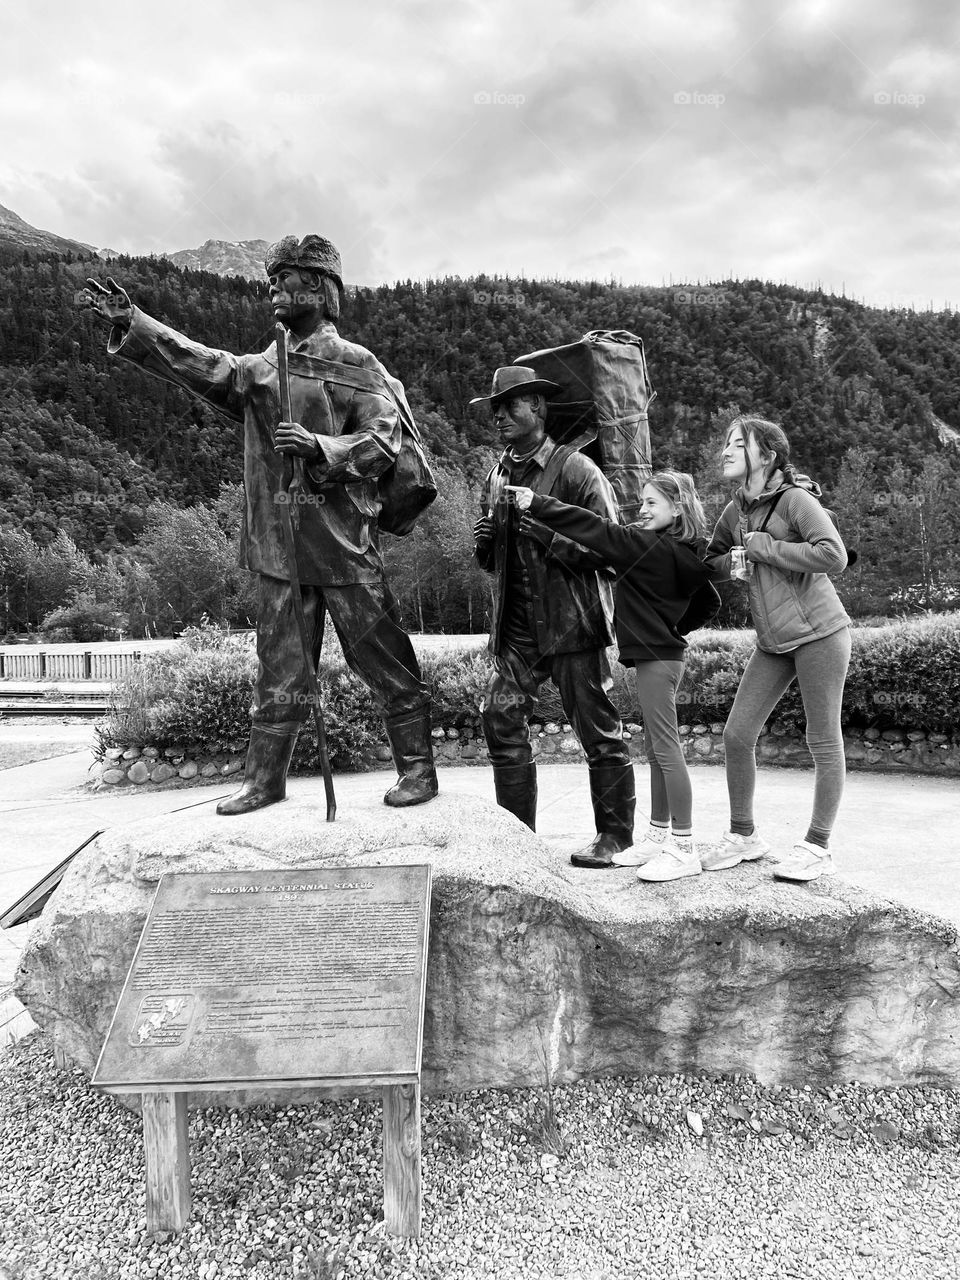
(891, 750)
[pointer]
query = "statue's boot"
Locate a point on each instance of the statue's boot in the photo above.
(516, 788)
(412, 749)
(265, 777)
(614, 796)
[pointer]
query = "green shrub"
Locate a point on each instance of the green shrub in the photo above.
(353, 726)
(196, 696)
(906, 676)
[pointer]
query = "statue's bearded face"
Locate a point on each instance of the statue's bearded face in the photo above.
(295, 295)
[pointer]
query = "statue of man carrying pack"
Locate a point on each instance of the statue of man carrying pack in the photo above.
(356, 466)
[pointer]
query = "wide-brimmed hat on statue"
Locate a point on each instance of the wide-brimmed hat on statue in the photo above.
(516, 380)
(312, 253)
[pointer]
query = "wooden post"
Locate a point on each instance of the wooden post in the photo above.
(167, 1151)
(401, 1159)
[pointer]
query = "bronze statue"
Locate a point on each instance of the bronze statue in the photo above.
(552, 618)
(348, 432)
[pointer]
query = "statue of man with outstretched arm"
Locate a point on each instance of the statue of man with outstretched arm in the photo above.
(346, 426)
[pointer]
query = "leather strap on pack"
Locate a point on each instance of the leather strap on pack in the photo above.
(551, 472)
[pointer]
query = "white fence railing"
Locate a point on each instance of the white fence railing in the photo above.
(71, 662)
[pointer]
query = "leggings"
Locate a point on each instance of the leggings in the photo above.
(671, 798)
(820, 668)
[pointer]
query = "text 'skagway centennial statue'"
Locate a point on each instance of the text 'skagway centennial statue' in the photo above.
(344, 460)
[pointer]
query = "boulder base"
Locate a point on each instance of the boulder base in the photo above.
(537, 969)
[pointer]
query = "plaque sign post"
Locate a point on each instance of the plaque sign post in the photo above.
(275, 980)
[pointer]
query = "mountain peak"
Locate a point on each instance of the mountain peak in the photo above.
(14, 230)
(225, 258)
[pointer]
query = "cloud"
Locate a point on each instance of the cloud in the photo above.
(683, 139)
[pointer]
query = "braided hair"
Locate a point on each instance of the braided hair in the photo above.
(768, 437)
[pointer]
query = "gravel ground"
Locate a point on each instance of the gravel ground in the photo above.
(661, 1177)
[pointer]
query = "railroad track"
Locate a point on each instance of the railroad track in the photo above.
(47, 707)
(36, 698)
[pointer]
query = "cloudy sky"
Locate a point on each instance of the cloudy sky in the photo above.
(808, 141)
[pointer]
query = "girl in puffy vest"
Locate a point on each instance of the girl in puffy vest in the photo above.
(663, 592)
(775, 535)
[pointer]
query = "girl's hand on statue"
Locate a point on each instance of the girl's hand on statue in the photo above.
(518, 494)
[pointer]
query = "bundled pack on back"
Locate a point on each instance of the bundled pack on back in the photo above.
(602, 407)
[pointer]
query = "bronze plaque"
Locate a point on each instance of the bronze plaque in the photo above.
(253, 977)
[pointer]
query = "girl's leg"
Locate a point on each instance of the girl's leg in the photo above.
(657, 683)
(765, 680)
(659, 802)
(821, 672)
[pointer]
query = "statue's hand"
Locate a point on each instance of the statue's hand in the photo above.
(530, 527)
(110, 304)
(290, 437)
(483, 531)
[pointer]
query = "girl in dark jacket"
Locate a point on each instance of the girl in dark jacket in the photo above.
(775, 535)
(663, 591)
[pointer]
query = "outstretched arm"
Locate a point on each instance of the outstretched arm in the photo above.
(214, 376)
(618, 544)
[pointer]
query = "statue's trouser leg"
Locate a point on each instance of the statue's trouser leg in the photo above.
(282, 691)
(379, 651)
(281, 694)
(585, 682)
(505, 710)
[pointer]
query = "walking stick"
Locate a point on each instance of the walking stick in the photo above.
(289, 517)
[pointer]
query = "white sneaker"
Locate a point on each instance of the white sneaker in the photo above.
(732, 850)
(807, 862)
(670, 864)
(638, 854)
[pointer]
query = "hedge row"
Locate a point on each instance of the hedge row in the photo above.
(196, 696)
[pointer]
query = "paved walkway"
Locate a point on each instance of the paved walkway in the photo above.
(897, 835)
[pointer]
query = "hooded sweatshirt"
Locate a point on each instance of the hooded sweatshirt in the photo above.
(657, 577)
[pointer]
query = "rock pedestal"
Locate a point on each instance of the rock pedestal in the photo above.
(537, 969)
